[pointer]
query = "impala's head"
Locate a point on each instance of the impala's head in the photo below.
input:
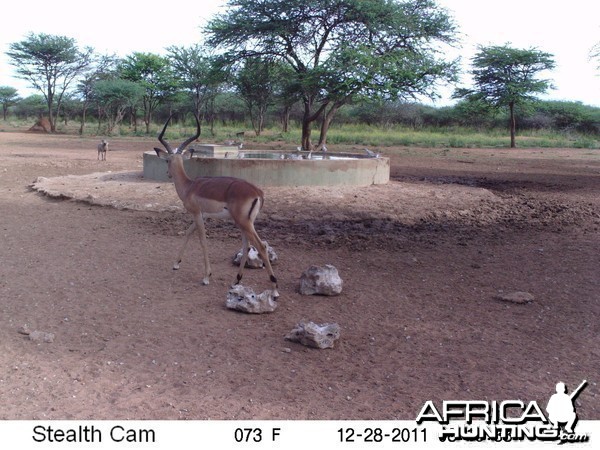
(168, 153)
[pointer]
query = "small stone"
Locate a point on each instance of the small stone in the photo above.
(24, 330)
(41, 336)
(244, 299)
(313, 335)
(516, 297)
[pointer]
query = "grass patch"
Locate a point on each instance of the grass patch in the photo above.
(353, 135)
(363, 135)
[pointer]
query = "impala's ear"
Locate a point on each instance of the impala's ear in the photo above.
(188, 153)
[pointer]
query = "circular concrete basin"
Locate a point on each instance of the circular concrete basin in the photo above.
(281, 168)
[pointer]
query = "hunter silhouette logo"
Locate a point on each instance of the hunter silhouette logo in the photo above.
(508, 420)
(561, 407)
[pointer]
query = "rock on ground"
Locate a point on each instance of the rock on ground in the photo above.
(516, 297)
(313, 335)
(254, 260)
(321, 281)
(244, 299)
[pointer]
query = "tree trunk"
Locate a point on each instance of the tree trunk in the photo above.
(255, 119)
(99, 113)
(307, 119)
(134, 118)
(326, 122)
(198, 109)
(285, 119)
(148, 113)
(50, 103)
(513, 125)
(83, 114)
(305, 140)
(260, 120)
(306, 144)
(52, 120)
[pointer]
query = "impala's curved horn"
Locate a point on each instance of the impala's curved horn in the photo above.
(162, 133)
(193, 138)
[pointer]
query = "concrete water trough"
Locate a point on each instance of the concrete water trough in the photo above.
(272, 168)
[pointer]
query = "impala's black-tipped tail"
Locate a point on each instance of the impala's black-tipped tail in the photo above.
(252, 207)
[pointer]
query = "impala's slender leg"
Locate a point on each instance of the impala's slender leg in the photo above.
(244, 257)
(255, 240)
(199, 221)
(188, 233)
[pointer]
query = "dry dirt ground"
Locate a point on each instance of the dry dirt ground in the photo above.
(423, 260)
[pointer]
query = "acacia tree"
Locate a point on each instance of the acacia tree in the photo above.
(154, 74)
(50, 64)
(341, 49)
(8, 97)
(257, 84)
(114, 97)
(507, 77)
(103, 68)
(195, 69)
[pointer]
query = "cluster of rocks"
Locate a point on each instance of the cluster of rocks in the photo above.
(316, 280)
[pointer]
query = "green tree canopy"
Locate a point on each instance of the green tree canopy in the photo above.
(114, 97)
(154, 74)
(103, 67)
(257, 83)
(340, 50)
(197, 73)
(505, 77)
(8, 97)
(34, 105)
(50, 63)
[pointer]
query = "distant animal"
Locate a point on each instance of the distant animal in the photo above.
(102, 149)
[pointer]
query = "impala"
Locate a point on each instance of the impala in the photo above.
(215, 197)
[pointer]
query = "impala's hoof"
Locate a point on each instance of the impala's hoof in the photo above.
(176, 265)
(205, 281)
(275, 294)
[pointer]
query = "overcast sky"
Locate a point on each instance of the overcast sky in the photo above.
(567, 30)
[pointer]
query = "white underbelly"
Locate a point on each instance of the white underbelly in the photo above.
(223, 214)
(213, 209)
